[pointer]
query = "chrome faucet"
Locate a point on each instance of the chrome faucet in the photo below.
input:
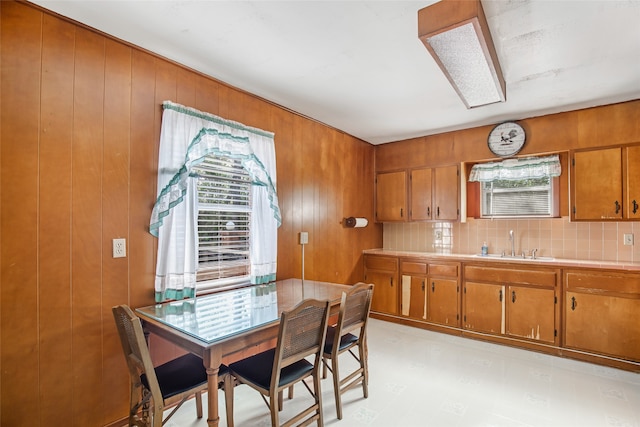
(513, 243)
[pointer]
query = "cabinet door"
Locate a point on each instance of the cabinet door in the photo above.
(603, 324)
(391, 196)
(633, 182)
(421, 191)
(597, 184)
(531, 313)
(446, 195)
(484, 307)
(385, 293)
(413, 297)
(442, 301)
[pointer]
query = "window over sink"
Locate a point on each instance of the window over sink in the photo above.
(517, 188)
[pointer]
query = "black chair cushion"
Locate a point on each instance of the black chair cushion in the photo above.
(257, 369)
(180, 375)
(345, 341)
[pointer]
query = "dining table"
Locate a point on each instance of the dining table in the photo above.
(220, 324)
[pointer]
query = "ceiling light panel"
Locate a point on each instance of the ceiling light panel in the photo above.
(457, 36)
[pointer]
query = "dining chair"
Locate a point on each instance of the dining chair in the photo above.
(349, 332)
(153, 389)
(301, 335)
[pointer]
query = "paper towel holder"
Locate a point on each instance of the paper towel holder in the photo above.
(354, 222)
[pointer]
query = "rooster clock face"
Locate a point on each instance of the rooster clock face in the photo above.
(506, 139)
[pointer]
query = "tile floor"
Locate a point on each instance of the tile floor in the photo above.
(423, 378)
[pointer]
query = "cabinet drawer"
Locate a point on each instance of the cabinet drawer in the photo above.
(381, 263)
(413, 267)
(510, 275)
(448, 270)
(603, 281)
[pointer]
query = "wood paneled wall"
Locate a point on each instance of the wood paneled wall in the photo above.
(613, 124)
(79, 129)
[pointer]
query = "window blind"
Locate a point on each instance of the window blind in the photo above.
(224, 209)
(527, 197)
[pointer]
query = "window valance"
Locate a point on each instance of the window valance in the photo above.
(206, 134)
(517, 169)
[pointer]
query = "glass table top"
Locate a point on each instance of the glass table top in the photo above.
(215, 317)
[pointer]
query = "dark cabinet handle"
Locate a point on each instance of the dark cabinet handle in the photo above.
(500, 295)
(513, 296)
(635, 206)
(574, 304)
(438, 212)
(423, 286)
(433, 286)
(617, 207)
(429, 211)
(402, 213)
(391, 281)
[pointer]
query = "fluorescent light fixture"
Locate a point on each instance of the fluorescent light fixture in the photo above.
(456, 34)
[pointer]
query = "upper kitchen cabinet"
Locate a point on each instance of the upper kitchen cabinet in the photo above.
(433, 194)
(605, 184)
(421, 194)
(632, 182)
(391, 196)
(446, 193)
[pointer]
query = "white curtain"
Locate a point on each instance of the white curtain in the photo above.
(186, 137)
(516, 169)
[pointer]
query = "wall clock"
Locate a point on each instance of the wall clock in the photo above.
(506, 139)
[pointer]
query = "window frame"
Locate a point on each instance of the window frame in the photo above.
(554, 203)
(209, 285)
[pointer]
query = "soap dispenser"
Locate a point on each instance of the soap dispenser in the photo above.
(485, 249)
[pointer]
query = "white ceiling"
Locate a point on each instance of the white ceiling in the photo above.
(359, 66)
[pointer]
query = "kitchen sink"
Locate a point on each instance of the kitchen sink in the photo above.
(516, 257)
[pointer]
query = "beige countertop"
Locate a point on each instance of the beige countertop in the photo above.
(555, 262)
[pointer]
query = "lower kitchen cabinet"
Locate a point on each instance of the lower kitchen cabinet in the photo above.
(483, 307)
(531, 313)
(431, 291)
(512, 301)
(589, 314)
(382, 271)
(601, 312)
(413, 293)
(443, 299)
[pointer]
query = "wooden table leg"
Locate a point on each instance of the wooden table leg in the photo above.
(212, 362)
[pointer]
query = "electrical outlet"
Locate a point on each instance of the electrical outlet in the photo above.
(304, 237)
(438, 235)
(628, 239)
(119, 248)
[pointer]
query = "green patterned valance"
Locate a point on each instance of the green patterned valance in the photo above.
(516, 169)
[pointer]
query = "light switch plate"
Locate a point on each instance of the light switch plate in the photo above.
(304, 237)
(628, 239)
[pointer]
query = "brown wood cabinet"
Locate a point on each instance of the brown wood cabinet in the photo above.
(421, 194)
(418, 195)
(443, 299)
(601, 312)
(434, 194)
(391, 196)
(382, 271)
(413, 293)
(632, 182)
(610, 195)
(446, 194)
(430, 291)
(514, 301)
(589, 314)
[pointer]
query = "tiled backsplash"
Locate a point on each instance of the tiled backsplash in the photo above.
(556, 237)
